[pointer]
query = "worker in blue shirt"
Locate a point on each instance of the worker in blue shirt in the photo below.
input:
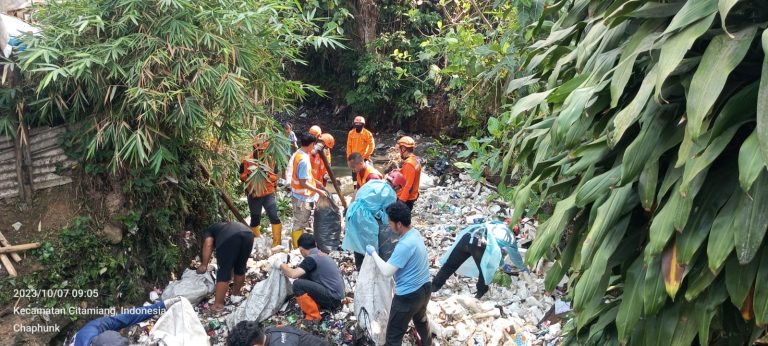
(409, 264)
(105, 331)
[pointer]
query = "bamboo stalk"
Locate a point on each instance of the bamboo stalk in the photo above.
(333, 179)
(17, 248)
(4, 242)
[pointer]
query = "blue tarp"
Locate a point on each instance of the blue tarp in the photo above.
(362, 227)
(498, 236)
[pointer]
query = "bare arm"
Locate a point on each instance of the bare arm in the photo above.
(293, 273)
(304, 184)
(206, 258)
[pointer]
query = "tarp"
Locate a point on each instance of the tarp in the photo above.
(179, 326)
(498, 236)
(365, 214)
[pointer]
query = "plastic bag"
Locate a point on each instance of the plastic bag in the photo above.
(179, 325)
(266, 298)
(193, 286)
(327, 225)
(366, 215)
(373, 298)
(387, 240)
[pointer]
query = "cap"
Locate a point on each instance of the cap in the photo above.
(359, 119)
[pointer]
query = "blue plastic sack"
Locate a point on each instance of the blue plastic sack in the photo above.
(362, 226)
(498, 236)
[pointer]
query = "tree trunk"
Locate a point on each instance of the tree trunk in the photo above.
(366, 13)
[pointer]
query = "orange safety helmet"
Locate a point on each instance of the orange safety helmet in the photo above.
(315, 130)
(396, 179)
(359, 119)
(406, 142)
(328, 140)
(260, 142)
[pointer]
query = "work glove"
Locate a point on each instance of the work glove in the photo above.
(169, 302)
(369, 249)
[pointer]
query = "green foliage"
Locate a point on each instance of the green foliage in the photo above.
(642, 118)
(143, 78)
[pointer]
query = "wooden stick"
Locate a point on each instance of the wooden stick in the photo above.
(4, 242)
(333, 179)
(224, 196)
(8, 266)
(17, 248)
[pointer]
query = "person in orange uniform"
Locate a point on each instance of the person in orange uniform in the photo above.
(303, 188)
(315, 131)
(360, 140)
(323, 146)
(411, 169)
(362, 171)
(259, 173)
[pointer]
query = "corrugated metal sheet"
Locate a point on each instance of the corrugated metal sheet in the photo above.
(48, 161)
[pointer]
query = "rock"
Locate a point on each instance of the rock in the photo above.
(113, 233)
(114, 202)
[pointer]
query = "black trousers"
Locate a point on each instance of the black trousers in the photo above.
(410, 204)
(412, 306)
(318, 292)
(269, 203)
(463, 250)
(232, 255)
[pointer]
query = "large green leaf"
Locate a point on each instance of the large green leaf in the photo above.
(646, 185)
(721, 57)
(638, 152)
(762, 103)
(739, 279)
(750, 162)
(654, 293)
(751, 220)
(640, 41)
(720, 243)
(761, 291)
(631, 112)
(674, 49)
(607, 215)
(551, 230)
(725, 6)
(631, 307)
(527, 103)
(692, 11)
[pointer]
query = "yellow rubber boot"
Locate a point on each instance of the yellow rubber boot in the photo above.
(295, 234)
(277, 234)
(256, 230)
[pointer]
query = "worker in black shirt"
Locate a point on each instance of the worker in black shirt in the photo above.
(319, 283)
(233, 242)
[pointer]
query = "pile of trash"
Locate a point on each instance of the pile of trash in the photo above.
(516, 311)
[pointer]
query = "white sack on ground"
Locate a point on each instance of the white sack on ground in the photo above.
(373, 297)
(193, 286)
(179, 326)
(266, 298)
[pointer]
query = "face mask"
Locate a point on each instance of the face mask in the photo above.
(359, 128)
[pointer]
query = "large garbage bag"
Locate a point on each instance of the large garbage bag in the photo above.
(366, 215)
(497, 235)
(387, 240)
(327, 225)
(178, 326)
(373, 298)
(193, 286)
(266, 298)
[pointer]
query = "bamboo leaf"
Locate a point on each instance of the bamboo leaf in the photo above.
(762, 103)
(750, 162)
(721, 57)
(751, 220)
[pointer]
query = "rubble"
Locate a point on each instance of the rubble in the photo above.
(511, 313)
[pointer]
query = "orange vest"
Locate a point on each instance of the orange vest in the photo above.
(296, 187)
(318, 168)
(361, 180)
(258, 187)
(411, 176)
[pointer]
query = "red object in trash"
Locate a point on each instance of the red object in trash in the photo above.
(516, 230)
